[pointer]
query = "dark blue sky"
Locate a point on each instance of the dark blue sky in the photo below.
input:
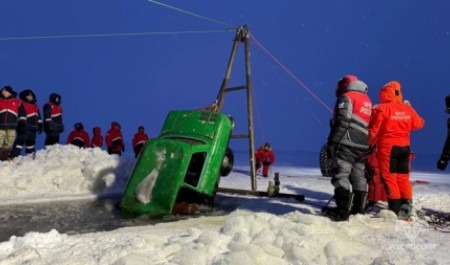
(137, 79)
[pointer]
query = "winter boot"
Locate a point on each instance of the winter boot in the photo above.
(359, 202)
(370, 206)
(405, 211)
(341, 212)
(394, 205)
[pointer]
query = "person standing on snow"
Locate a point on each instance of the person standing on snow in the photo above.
(139, 139)
(264, 156)
(9, 109)
(78, 137)
(377, 188)
(445, 156)
(97, 138)
(347, 146)
(114, 139)
(29, 124)
(53, 121)
(389, 129)
(376, 185)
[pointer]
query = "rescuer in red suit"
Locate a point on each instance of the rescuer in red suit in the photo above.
(264, 157)
(389, 129)
(114, 139)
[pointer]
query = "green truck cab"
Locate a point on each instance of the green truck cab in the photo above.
(182, 165)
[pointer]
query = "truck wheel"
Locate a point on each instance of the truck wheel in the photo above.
(227, 163)
(326, 164)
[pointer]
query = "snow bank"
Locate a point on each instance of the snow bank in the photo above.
(63, 172)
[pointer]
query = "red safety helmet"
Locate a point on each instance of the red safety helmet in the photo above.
(344, 82)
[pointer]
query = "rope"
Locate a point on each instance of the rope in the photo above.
(190, 13)
(232, 28)
(256, 41)
(439, 219)
(259, 44)
(258, 115)
(291, 74)
(126, 34)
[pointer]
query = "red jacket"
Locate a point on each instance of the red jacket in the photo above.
(53, 121)
(351, 117)
(29, 111)
(97, 138)
(393, 120)
(78, 136)
(139, 138)
(114, 139)
(9, 112)
(264, 156)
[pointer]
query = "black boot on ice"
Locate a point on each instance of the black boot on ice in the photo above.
(342, 211)
(405, 212)
(359, 202)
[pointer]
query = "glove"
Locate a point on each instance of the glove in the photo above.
(258, 165)
(371, 149)
(442, 164)
(48, 126)
(39, 128)
(21, 127)
(370, 172)
(331, 150)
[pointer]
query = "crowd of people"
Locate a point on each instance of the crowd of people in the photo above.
(369, 145)
(113, 138)
(370, 149)
(21, 121)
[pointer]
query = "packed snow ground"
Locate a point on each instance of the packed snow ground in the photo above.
(258, 231)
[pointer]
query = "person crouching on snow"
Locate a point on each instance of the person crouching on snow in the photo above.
(264, 156)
